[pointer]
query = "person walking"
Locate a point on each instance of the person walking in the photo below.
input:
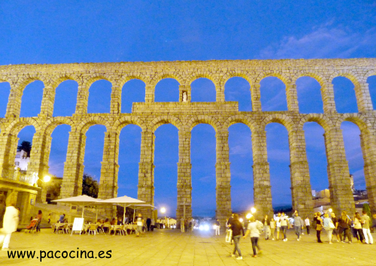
(284, 224)
(253, 229)
(272, 228)
(217, 228)
(298, 225)
(307, 224)
(39, 218)
(148, 224)
(366, 229)
(10, 223)
(328, 226)
(266, 223)
(237, 233)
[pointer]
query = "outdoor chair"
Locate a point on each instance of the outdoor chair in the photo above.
(93, 229)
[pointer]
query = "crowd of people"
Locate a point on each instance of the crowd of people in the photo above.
(342, 228)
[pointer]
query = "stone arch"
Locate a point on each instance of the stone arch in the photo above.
(238, 119)
(280, 119)
(243, 74)
(174, 76)
(91, 121)
(203, 119)
(127, 120)
(195, 76)
(276, 74)
(165, 120)
(51, 124)
(320, 119)
(18, 125)
(320, 79)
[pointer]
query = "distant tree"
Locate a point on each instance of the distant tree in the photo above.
(26, 146)
(367, 209)
(89, 186)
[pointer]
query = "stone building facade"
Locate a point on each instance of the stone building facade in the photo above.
(149, 115)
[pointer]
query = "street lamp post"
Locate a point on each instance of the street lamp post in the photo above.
(163, 211)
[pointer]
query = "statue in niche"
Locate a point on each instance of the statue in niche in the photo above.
(184, 96)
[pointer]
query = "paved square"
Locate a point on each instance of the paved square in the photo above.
(170, 247)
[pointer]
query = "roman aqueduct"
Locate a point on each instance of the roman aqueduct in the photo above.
(149, 115)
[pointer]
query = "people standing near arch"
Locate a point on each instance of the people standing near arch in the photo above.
(358, 227)
(335, 222)
(272, 228)
(266, 224)
(344, 228)
(328, 226)
(278, 224)
(366, 229)
(307, 224)
(319, 224)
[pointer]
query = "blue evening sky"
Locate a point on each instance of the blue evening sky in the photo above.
(51, 32)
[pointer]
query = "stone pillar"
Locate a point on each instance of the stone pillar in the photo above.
(292, 97)
(39, 161)
(261, 176)
(73, 167)
(220, 92)
(184, 185)
(256, 97)
(223, 177)
(363, 97)
(327, 94)
(187, 90)
(116, 98)
(48, 101)
(108, 183)
(368, 144)
(300, 181)
(14, 100)
(9, 143)
(149, 93)
(82, 97)
(341, 197)
(146, 168)
(109, 170)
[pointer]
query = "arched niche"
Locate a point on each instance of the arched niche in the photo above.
(133, 91)
(166, 157)
(167, 90)
(240, 145)
(372, 89)
(203, 159)
(100, 97)
(203, 90)
(278, 151)
(32, 99)
(128, 160)
(344, 95)
(316, 156)
(238, 89)
(273, 94)
(66, 98)
(58, 151)
(309, 95)
(4, 96)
